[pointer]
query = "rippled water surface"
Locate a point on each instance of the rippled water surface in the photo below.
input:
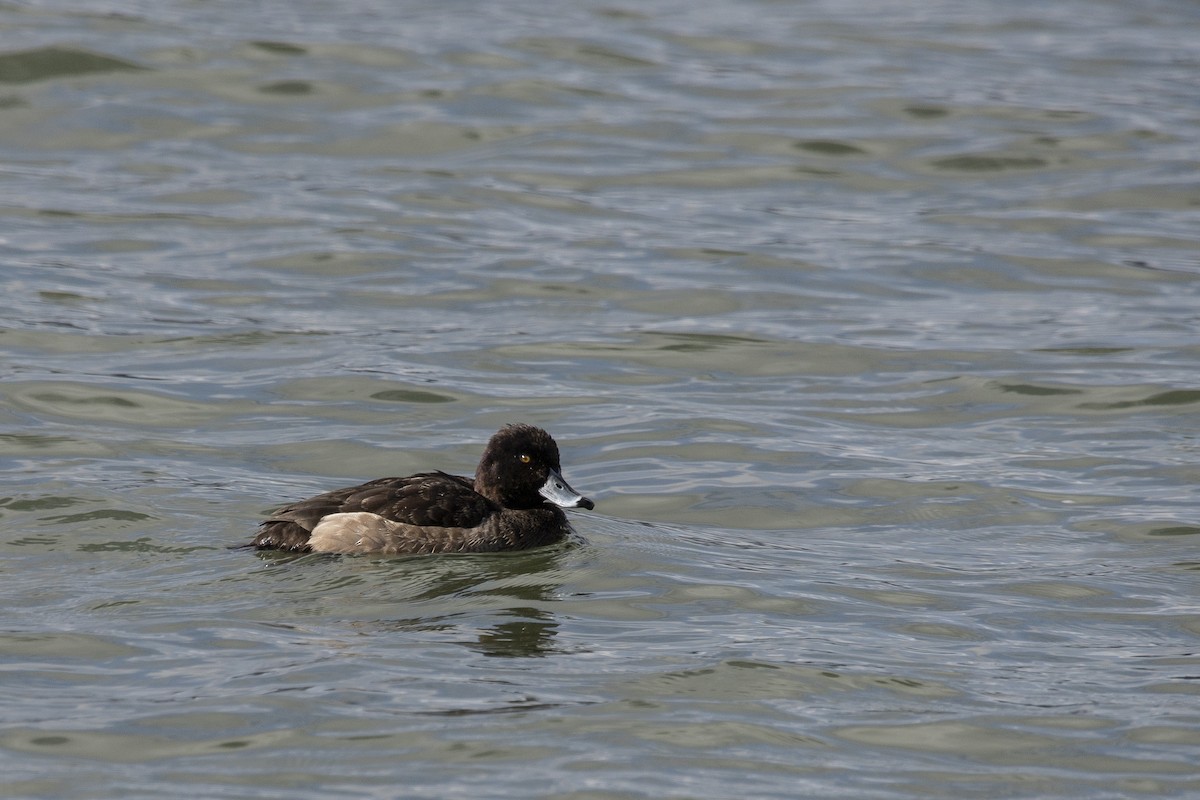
(873, 328)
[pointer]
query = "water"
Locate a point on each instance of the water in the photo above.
(870, 327)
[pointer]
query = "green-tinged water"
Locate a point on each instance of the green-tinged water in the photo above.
(873, 329)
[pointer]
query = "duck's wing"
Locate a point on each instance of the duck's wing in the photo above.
(426, 500)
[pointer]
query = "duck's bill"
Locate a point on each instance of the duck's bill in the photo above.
(559, 492)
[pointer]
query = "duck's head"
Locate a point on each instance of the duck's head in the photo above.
(520, 469)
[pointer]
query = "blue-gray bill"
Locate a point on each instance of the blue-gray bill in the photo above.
(559, 492)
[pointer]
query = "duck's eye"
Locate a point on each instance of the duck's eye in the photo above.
(524, 459)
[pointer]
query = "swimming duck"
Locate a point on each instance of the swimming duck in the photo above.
(513, 503)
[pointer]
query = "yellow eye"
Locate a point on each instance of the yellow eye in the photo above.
(524, 459)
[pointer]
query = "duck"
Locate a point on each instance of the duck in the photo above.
(514, 502)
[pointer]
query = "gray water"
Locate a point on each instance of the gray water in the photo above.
(873, 328)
